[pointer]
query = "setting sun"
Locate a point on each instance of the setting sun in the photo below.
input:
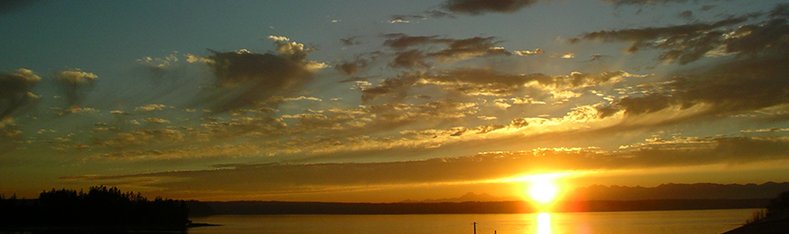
(543, 191)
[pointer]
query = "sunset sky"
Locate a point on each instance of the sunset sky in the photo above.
(383, 101)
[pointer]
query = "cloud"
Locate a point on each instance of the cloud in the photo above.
(410, 59)
(488, 82)
(350, 41)
(529, 52)
(415, 17)
(397, 86)
(15, 90)
(351, 68)
(690, 42)
(724, 89)
(401, 41)
(478, 7)
(754, 80)
(278, 38)
(468, 48)
(244, 78)
(151, 107)
(456, 49)
(649, 2)
(687, 15)
(75, 83)
(399, 20)
(156, 120)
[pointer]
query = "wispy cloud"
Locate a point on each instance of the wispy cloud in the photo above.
(247, 79)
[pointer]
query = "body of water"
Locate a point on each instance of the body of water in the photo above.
(638, 222)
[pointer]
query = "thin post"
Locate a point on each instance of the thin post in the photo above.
(475, 227)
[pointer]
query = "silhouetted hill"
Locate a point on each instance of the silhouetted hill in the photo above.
(468, 197)
(679, 191)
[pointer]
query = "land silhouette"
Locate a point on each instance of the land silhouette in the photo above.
(109, 207)
(774, 219)
(99, 207)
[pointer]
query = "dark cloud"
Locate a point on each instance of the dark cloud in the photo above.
(741, 85)
(482, 81)
(690, 42)
(478, 7)
(780, 11)
(643, 2)
(15, 90)
(456, 49)
(471, 47)
(410, 59)
(398, 86)
(244, 78)
(401, 41)
(351, 68)
(354, 79)
(596, 57)
(756, 78)
(350, 41)
(75, 84)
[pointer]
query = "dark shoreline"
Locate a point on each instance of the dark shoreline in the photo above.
(105, 229)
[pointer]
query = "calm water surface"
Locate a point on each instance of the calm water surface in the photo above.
(640, 222)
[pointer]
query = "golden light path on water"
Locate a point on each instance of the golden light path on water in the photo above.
(543, 223)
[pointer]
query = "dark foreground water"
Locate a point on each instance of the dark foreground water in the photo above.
(640, 222)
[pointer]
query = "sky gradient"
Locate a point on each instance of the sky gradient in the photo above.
(382, 101)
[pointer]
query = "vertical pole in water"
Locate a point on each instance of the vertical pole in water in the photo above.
(475, 227)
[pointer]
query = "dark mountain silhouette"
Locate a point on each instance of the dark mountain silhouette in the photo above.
(679, 191)
(468, 197)
(592, 198)
(660, 192)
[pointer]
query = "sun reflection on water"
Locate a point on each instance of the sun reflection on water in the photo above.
(544, 223)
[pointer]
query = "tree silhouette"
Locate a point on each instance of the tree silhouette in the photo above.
(99, 207)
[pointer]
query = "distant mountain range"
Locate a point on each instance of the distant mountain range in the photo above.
(679, 191)
(660, 192)
(592, 198)
(468, 197)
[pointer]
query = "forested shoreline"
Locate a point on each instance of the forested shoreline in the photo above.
(98, 207)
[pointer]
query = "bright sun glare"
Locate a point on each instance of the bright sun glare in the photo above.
(543, 191)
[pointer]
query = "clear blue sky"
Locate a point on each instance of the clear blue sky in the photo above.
(389, 100)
